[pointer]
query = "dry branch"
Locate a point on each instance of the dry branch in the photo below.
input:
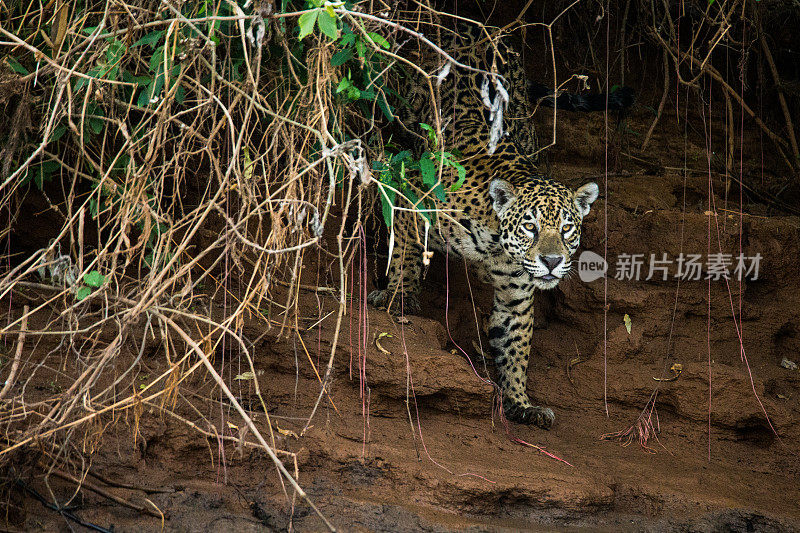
(781, 97)
(705, 67)
(12, 373)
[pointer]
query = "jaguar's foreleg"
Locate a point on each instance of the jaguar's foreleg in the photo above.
(510, 331)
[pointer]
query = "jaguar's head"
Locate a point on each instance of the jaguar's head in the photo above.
(540, 225)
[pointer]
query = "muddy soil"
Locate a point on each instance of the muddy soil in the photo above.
(408, 438)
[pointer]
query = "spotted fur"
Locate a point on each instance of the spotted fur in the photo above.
(519, 228)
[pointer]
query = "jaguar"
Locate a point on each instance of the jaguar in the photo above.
(517, 227)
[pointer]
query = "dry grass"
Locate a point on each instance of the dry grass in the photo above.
(223, 171)
(181, 147)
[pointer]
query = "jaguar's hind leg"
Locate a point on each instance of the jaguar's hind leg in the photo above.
(405, 268)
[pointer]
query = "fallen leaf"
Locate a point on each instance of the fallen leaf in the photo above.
(378, 344)
(286, 432)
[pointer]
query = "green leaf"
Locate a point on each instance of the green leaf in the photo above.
(428, 169)
(180, 94)
(401, 156)
(386, 206)
(236, 71)
(94, 279)
(16, 66)
(306, 23)
(413, 198)
(438, 191)
(144, 98)
(387, 110)
(58, 132)
(361, 48)
(121, 163)
(46, 172)
(343, 85)
(341, 57)
(431, 133)
(462, 175)
(152, 91)
(149, 40)
(138, 80)
(83, 293)
(85, 81)
(156, 59)
(379, 40)
(327, 24)
(96, 125)
(115, 51)
(627, 320)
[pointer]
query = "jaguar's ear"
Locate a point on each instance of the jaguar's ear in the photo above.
(585, 196)
(502, 193)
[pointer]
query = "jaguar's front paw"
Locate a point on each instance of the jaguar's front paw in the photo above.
(396, 303)
(542, 417)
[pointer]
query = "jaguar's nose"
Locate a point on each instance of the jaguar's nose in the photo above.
(552, 261)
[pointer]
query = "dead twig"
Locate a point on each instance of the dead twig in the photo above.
(82, 483)
(574, 362)
(781, 97)
(17, 354)
(661, 104)
(705, 67)
(117, 484)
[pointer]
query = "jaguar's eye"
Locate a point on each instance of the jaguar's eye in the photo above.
(566, 228)
(530, 226)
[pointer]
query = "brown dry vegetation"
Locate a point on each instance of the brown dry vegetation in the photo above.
(186, 339)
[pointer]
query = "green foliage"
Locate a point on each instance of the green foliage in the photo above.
(91, 280)
(40, 173)
(149, 39)
(363, 82)
(16, 66)
(324, 17)
(107, 68)
(402, 172)
(94, 279)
